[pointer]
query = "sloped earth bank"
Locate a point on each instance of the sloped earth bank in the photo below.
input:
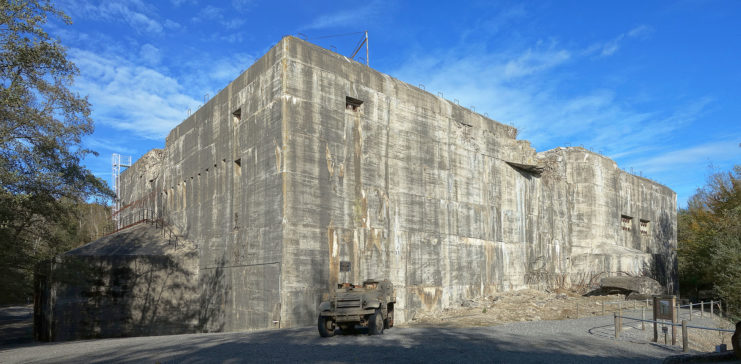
(533, 305)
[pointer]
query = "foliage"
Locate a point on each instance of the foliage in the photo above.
(710, 240)
(42, 123)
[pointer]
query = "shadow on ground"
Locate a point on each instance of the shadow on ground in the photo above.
(488, 344)
(16, 326)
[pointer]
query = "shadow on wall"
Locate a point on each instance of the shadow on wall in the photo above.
(664, 268)
(83, 297)
(213, 298)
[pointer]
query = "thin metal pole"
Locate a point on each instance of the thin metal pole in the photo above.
(643, 317)
(656, 325)
(720, 309)
(674, 328)
(702, 308)
(685, 345)
(711, 309)
(690, 311)
(367, 53)
(617, 323)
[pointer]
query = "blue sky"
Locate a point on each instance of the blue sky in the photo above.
(654, 85)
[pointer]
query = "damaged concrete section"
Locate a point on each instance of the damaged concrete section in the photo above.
(309, 161)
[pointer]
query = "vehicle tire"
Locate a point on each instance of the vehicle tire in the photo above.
(325, 326)
(375, 323)
(389, 321)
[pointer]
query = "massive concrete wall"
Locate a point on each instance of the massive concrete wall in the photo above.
(219, 184)
(277, 179)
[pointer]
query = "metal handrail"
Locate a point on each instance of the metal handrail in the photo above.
(685, 337)
(669, 323)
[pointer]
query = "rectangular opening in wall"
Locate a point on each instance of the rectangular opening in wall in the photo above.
(237, 116)
(238, 167)
(626, 222)
(352, 103)
(644, 227)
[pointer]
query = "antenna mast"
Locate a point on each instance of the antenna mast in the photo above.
(360, 46)
(117, 163)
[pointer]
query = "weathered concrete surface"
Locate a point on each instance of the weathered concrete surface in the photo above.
(281, 176)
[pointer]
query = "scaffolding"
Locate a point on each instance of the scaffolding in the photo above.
(118, 162)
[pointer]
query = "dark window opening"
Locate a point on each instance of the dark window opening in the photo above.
(352, 103)
(237, 116)
(238, 166)
(644, 227)
(626, 222)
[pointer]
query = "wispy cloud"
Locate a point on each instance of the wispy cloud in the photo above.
(681, 159)
(150, 54)
(345, 18)
(610, 47)
(528, 86)
(139, 15)
(104, 144)
(131, 97)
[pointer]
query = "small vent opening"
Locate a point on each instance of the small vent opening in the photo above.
(352, 103)
(626, 222)
(645, 227)
(237, 116)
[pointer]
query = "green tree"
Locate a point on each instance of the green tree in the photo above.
(710, 240)
(42, 123)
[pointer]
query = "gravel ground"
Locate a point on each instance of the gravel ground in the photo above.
(569, 341)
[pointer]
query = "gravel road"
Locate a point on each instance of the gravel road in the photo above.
(568, 341)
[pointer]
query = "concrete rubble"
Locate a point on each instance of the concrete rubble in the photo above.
(309, 161)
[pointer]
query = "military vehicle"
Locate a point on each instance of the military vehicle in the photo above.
(368, 305)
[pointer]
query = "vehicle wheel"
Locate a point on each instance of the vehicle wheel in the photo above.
(326, 326)
(389, 321)
(375, 323)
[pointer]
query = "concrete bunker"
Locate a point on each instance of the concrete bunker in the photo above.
(278, 187)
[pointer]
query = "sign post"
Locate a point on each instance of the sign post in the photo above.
(665, 308)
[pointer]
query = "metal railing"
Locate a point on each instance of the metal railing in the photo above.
(618, 324)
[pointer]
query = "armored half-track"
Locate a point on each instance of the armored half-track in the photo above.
(350, 306)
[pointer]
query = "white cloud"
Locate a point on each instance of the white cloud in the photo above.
(610, 47)
(106, 144)
(210, 12)
(525, 86)
(181, 2)
(150, 54)
(233, 23)
(681, 159)
(351, 17)
(241, 5)
(130, 97)
(534, 61)
(138, 15)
